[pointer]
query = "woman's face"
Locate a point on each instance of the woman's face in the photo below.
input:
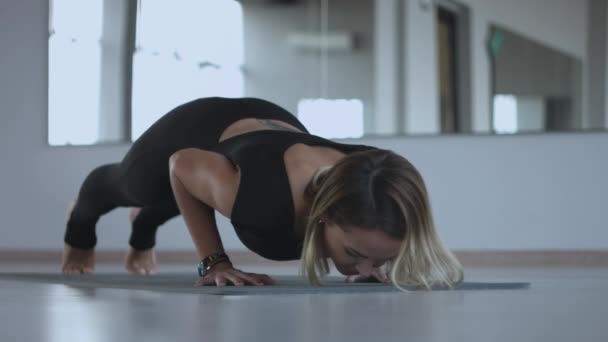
(357, 251)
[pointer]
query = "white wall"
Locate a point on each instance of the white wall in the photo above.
(605, 69)
(420, 70)
(488, 192)
(114, 71)
(605, 74)
(387, 67)
(597, 64)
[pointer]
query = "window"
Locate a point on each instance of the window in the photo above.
(505, 114)
(196, 52)
(332, 118)
(74, 71)
(116, 66)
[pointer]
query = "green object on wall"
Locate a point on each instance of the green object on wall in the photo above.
(497, 41)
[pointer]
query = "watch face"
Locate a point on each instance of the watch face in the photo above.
(201, 269)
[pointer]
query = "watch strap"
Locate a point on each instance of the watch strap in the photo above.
(208, 262)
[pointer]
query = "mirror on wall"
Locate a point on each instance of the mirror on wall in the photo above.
(346, 68)
(534, 87)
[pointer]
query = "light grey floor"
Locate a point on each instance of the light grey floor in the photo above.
(563, 304)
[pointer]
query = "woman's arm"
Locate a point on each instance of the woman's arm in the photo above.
(203, 181)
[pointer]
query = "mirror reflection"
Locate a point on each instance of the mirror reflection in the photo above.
(535, 88)
(346, 68)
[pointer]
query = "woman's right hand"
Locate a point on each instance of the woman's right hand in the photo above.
(224, 274)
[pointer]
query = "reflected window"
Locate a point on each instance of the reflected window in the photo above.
(505, 114)
(186, 49)
(74, 72)
(72, 314)
(545, 83)
(332, 118)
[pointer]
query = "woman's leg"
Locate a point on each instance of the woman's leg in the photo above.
(104, 189)
(146, 223)
(141, 258)
(101, 192)
(141, 179)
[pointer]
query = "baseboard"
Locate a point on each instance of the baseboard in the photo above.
(469, 258)
(533, 258)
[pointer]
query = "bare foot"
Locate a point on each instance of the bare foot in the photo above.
(141, 262)
(77, 260)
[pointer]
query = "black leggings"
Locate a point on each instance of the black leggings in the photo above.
(141, 179)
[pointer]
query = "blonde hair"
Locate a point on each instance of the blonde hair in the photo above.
(378, 189)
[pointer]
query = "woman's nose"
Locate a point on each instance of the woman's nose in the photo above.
(365, 268)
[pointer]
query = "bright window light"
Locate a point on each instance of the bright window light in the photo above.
(74, 72)
(186, 49)
(505, 114)
(332, 118)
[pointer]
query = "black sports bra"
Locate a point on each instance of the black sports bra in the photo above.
(263, 211)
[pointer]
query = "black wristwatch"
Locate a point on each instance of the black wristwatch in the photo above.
(206, 264)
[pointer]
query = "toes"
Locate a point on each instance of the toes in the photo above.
(78, 270)
(71, 271)
(352, 278)
(67, 269)
(141, 269)
(137, 269)
(149, 269)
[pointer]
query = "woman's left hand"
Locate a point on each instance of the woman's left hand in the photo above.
(377, 276)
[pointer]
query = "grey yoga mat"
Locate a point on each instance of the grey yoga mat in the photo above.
(183, 283)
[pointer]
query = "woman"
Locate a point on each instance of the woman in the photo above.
(289, 195)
